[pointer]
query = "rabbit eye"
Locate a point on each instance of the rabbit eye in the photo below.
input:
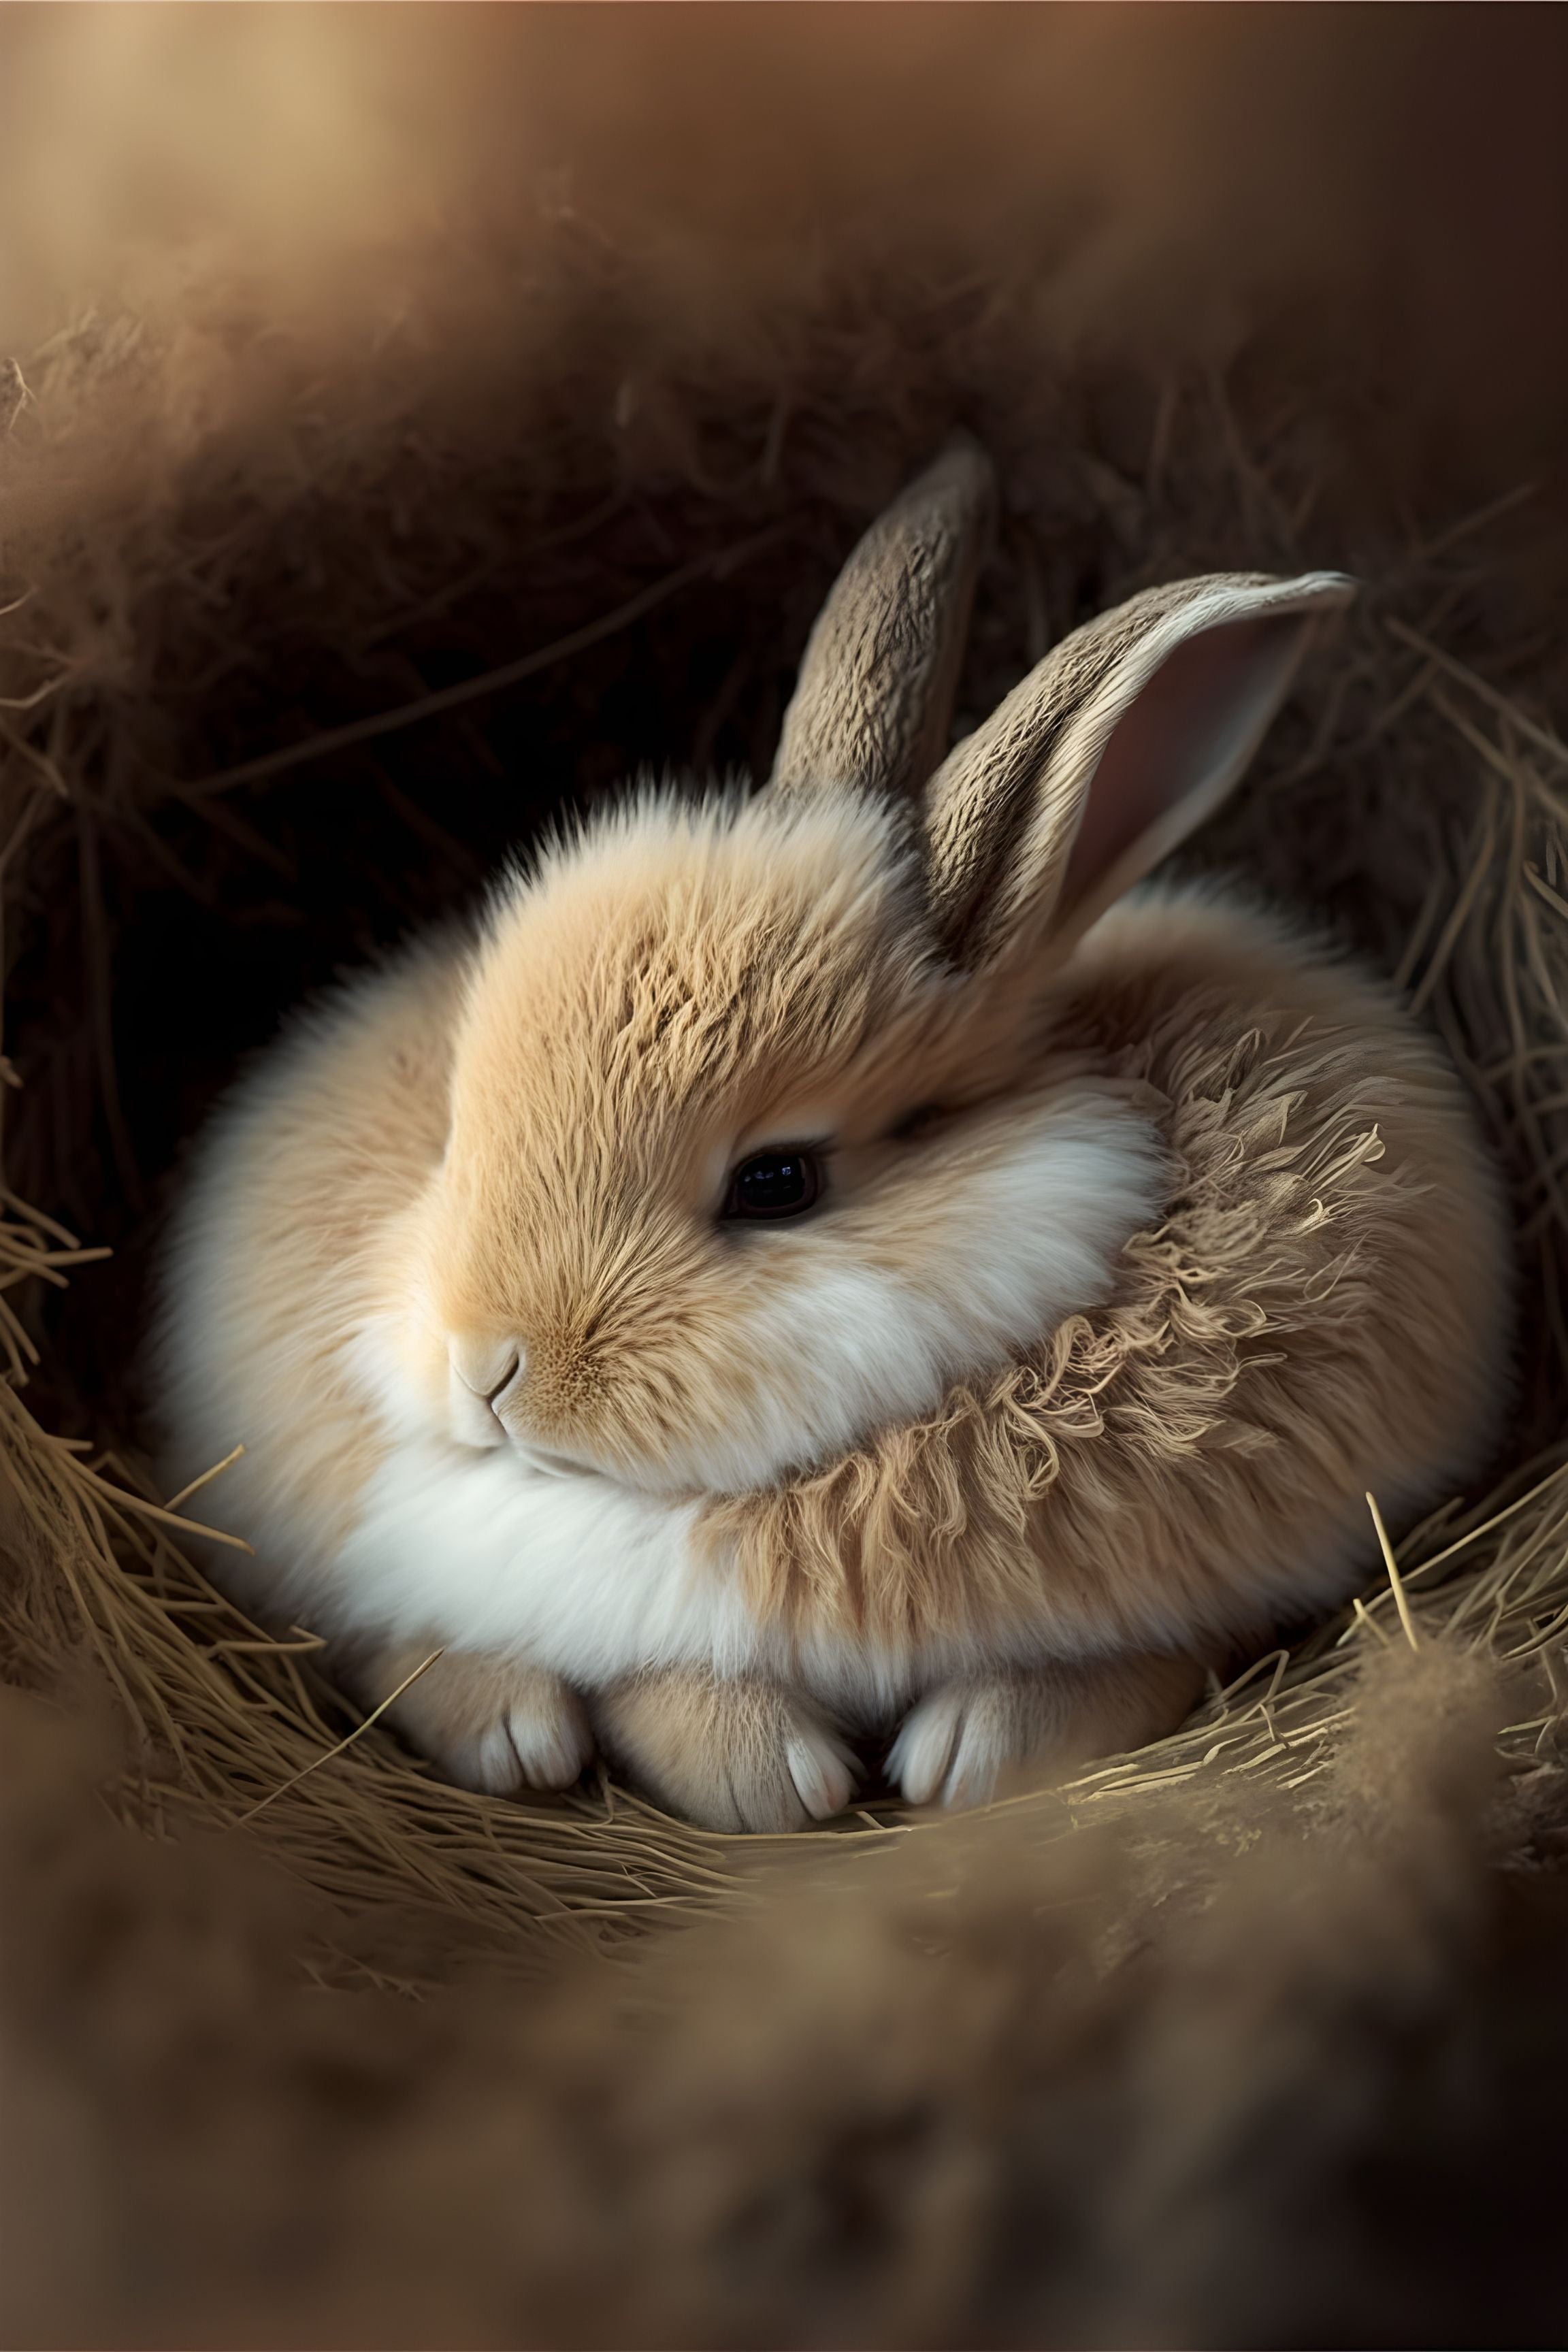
(778, 1183)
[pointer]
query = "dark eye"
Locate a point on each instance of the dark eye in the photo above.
(779, 1183)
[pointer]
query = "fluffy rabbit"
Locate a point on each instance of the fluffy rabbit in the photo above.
(829, 1262)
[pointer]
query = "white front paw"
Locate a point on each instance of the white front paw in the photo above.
(729, 1755)
(954, 1745)
(820, 1770)
(536, 1742)
(495, 1725)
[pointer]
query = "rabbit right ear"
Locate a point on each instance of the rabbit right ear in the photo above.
(1112, 751)
(874, 699)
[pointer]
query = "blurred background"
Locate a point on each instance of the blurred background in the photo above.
(1386, 187)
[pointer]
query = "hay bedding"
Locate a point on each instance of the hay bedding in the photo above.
(291, 653)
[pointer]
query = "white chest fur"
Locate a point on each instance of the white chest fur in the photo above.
(578, 1574)
(588, 1579)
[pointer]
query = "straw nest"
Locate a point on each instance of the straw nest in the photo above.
(293, 644)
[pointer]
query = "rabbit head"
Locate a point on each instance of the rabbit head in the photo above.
(752, 1145)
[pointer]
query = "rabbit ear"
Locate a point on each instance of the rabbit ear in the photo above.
(1116, 748)
(874, 699)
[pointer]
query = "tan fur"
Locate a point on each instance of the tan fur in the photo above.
(1330, 1269)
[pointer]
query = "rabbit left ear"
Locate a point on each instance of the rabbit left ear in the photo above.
(1110, 752)
(874, 699)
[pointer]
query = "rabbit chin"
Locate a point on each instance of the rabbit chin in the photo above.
(852, 1340)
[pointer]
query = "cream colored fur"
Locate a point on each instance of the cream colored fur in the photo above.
(1136, 1263)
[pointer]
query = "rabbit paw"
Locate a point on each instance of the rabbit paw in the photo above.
(954, 1745)
(962, 1737)
(726, 1755)
(489, 1723)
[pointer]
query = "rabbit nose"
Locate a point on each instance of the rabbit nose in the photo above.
(484, 1366)
(480, 1372)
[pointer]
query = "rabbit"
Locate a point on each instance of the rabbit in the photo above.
(854, 1263)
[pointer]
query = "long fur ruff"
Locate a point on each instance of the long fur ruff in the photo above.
(1316, 1314)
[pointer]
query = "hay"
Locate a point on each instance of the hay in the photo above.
(282, 672)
